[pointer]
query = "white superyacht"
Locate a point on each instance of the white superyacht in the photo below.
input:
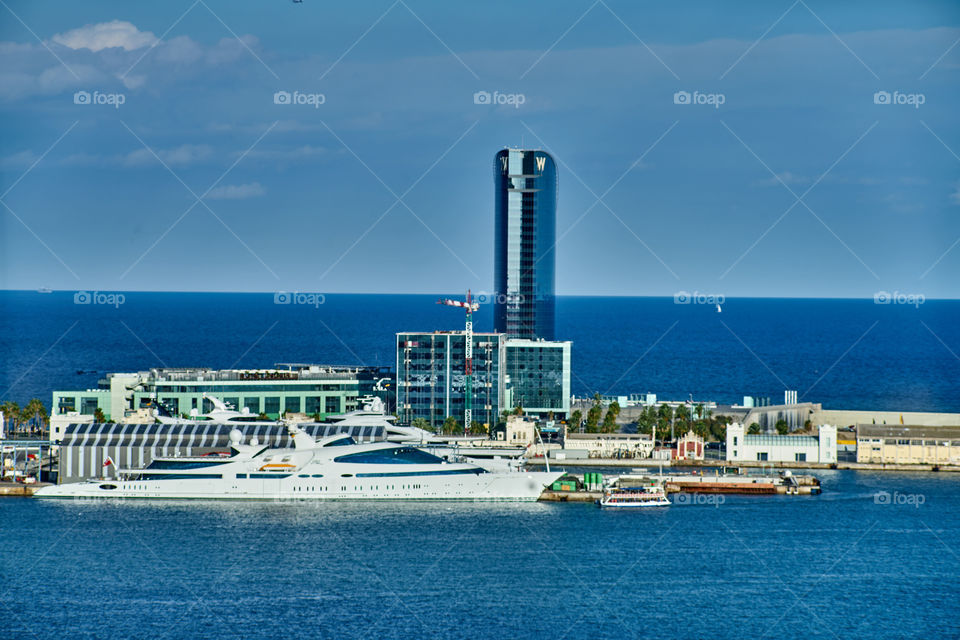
(335, 468)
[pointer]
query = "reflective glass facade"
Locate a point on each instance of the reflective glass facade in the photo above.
(525, 235)
(431, 383)
(538, 376)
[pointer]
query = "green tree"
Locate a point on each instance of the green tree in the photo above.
(421, 423)
(451, 426)
(782, 427)
(754, 429)
(575, 419)
(477, 428)
(593, 417)
(518, 410)
(11, 414)
(98, 416)
(34, 409)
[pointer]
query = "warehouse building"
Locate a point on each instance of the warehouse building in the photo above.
(908, 444)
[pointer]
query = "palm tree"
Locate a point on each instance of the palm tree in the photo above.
(11, 414)
(34, 409)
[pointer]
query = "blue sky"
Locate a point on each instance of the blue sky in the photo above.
(798, 184)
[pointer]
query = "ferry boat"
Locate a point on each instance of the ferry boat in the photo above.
(634, 497)
(335, 468)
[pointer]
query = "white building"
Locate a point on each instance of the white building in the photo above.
(768, 448)
(611, 445)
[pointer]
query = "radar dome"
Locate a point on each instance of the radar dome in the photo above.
(235, 436)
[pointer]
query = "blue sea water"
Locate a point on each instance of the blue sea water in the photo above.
(850, 354)
(852, 563)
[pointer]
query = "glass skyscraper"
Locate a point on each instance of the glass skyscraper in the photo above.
(526, 232)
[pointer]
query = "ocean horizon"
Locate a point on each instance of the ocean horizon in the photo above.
(845, 353)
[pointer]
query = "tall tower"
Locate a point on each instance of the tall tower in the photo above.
(525, 253)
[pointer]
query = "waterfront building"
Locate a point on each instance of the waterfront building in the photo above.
(322, 390)
(610, 445)
(525, 203)
(908, 444)
(742, 447)
(690, 447)
(431, 383)
(431, 378)
(538, 376)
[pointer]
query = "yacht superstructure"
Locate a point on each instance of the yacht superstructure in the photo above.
(335, 468)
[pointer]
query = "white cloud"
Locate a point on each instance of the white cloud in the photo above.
(21, 159)
(180, 156)
(237, 191)
(106, 35)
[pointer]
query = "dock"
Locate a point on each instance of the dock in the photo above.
(20, 489)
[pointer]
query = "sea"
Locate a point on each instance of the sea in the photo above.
(900, 354)
(874, 556)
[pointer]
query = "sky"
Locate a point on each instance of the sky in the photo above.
(788, 149)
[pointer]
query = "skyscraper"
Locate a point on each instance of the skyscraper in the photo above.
(526, 232)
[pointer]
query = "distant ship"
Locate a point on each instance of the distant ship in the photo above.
(44, 290)
(335, 468)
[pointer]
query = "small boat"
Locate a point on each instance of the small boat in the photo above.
(719, 309)
(633, 498)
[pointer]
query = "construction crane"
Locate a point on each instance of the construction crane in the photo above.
(470, 306)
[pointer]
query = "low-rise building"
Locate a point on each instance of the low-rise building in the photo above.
(611, 445)
(742, 447)
(321, 390)
(907, 444)
(521, 431)
(690, 447)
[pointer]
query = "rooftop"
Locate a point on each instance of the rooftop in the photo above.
(907, 431)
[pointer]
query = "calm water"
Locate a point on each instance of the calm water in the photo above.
(844, 353)
(834, 566)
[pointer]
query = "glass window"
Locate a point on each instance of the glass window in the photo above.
(271, 405)
(312, 405)
(392, 455)
(88, 406)
(332, 405)
(292, 405)
(253, 404)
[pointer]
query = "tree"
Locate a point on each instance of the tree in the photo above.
(421, 423)
(518, 410)
(593, 417)
(610, 419)
(263, 417)
(477, 428)
(782, 427)
(34, 409)
(98, 416)
(754, 429)
(451, 426)
(11, 414)
(576, 418)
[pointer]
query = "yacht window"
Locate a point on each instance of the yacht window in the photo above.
(394, 455)
(341, 442)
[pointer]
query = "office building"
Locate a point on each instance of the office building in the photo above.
(525, 237)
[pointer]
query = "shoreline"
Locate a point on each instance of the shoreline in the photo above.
(713, 464)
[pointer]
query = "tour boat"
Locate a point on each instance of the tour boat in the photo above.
(634, 497)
